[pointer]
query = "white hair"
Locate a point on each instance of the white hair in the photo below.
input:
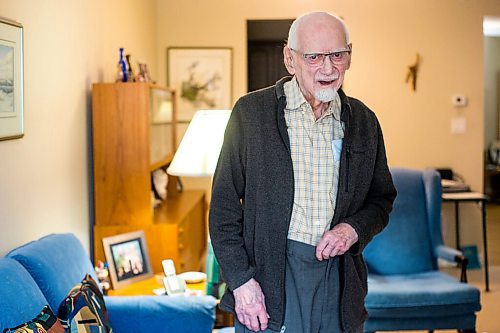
(293, 41)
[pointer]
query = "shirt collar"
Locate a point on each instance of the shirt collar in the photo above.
(295, 100)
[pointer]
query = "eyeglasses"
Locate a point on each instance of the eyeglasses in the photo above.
(338, 57)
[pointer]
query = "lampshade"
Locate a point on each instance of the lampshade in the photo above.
(199, 150)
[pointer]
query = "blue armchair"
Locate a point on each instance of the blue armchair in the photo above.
(43, 271)
(406, 291)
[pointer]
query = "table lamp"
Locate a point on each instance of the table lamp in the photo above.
(197, 156)
(199, 149)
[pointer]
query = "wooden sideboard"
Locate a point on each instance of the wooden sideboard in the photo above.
(128, 145)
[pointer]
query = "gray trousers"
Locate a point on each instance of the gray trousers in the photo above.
(312, 293)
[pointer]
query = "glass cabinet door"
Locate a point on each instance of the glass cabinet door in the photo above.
(162, 127)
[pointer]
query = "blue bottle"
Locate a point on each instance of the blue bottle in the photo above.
(122, 75)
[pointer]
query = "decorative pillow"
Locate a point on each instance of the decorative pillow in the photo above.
(83, 310)
(44, 322)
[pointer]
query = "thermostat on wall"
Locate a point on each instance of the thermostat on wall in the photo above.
(459, 101)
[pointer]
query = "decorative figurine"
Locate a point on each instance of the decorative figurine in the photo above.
(143, 75)
(412, 72)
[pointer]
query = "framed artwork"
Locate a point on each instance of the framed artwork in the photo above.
(127, 257)
(202, 78)
(11, 80)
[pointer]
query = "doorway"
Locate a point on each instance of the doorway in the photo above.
(491, 29)
(265, 41)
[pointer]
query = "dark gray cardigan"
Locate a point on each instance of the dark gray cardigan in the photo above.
(253, 192)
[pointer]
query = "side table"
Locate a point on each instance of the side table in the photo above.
(147, 286)
(481, 199)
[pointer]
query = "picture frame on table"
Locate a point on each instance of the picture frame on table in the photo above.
(11, 80)
(202, 78)
(127, 258)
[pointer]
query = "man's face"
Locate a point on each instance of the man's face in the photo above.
(319, 81)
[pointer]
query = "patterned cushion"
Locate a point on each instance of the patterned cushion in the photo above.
(83, 310)
(44, 322)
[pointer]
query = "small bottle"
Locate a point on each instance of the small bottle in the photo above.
(122, 73)
(131, 76)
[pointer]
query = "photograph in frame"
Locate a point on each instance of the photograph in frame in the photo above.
(202, 78)
(11, 80)
(127, 258)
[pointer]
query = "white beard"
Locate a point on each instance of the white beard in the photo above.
(326, 95)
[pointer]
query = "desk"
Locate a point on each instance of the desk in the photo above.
(481, 199)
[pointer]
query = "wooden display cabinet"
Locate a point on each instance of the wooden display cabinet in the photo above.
(133, 132)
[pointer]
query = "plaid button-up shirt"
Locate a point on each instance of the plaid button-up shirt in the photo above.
(315, 147)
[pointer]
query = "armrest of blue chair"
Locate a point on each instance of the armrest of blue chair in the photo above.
(454, 256)
(447, 253)
(144, 314)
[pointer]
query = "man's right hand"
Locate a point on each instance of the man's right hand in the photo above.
(250, 306)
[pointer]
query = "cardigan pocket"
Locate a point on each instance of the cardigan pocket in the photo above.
(355, 159)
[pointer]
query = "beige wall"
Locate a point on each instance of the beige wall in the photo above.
(44, 177)
(386, 35)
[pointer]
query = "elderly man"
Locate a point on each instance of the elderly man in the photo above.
(302, 185)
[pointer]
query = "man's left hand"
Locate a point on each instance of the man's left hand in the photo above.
(336, 242)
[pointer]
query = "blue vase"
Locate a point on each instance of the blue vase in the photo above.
(122, 75)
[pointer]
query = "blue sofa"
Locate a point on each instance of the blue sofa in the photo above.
(43, 271)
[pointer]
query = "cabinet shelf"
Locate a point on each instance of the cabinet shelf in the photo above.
(174, 209)
(161, 163)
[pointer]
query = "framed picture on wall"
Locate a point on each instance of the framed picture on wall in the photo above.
(11, 80)
(127, 257)
(202, 78)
